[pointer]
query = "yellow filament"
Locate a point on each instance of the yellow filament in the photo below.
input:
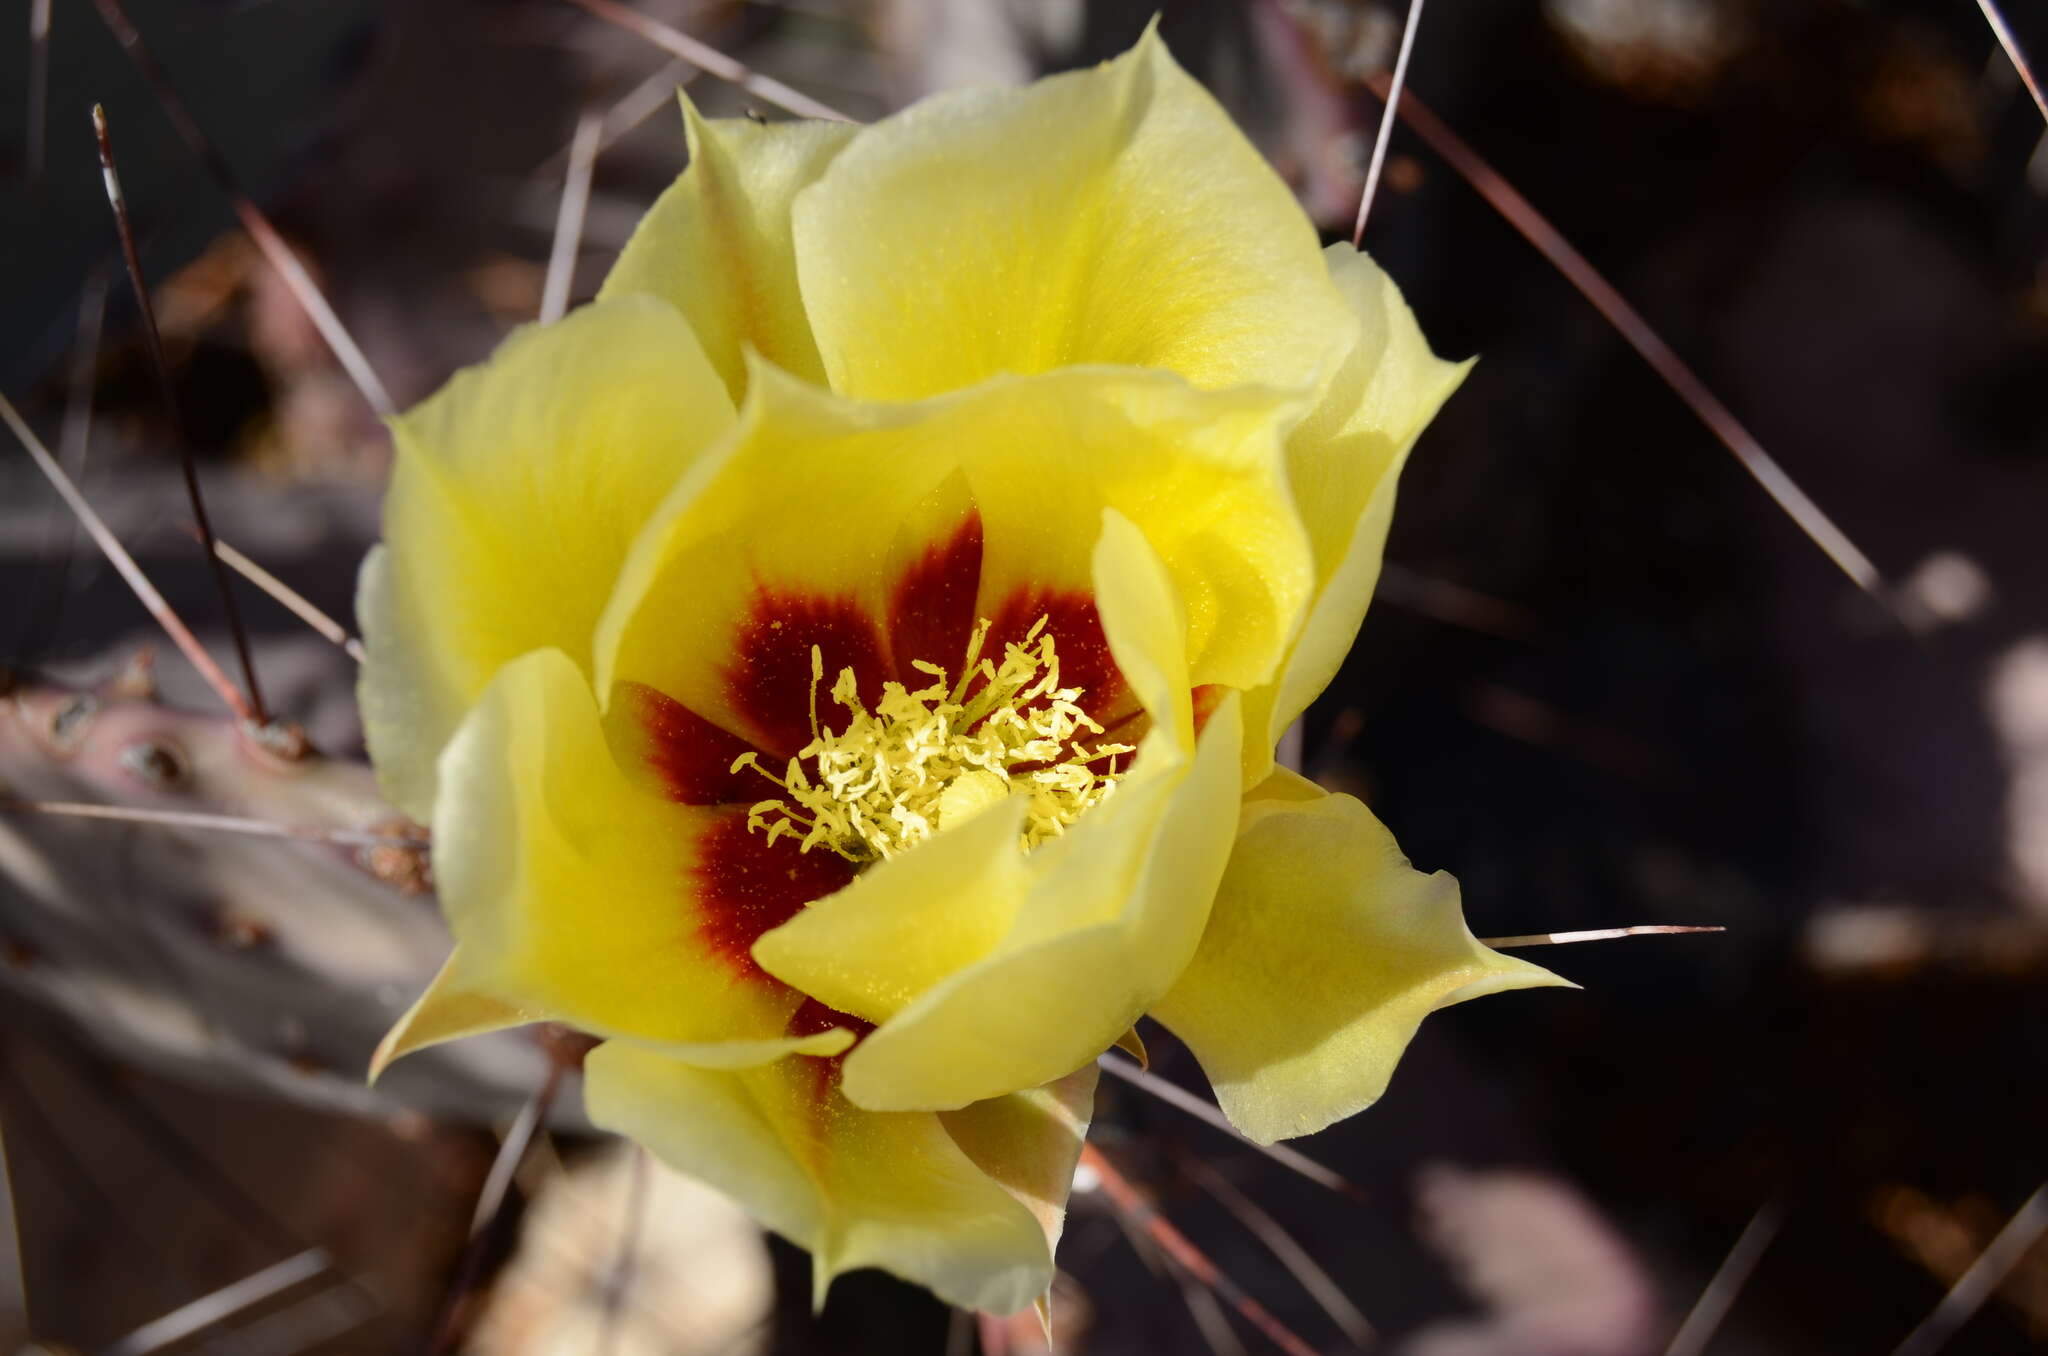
(927, 758)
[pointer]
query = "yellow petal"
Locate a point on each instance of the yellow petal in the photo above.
(515, 493)
(1030, 1141)
(716, 245)
(1343, 463)
(1197, 474)
(1324, 952)
(776, 545)
(1113, 215)
(572, 890)
(1145, 621)
(856, 1188)
(1116, 905)
(794, 534)
(907, 923)
(452, 1007)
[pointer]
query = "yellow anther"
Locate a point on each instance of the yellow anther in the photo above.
(921, 760)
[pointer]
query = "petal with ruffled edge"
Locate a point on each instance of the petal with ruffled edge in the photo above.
(1029, 1143)
(794, 536)
(968, 1205)
(1343, 463)
(575, 892)
(717, 244)
(1323, 953)
(1115, 906)
(515, 493)
(734, 584)
(1141, 228)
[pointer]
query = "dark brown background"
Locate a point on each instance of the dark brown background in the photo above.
(1648, 698)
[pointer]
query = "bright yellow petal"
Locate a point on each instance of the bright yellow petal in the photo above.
(907, 923)
(1095, 874)
(717, 245)
(572, 890)
(798, 529)
(778, 544)
(1194, 472)
(856, 1188)
(1030, 1141)
(452, 1007)
(1116, 906)
(1145, 621)
(1113, 215)
(1389, 388)
(1324, 952)
(515, 493)
(1343, 463)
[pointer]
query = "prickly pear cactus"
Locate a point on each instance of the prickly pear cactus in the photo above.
(271, 963)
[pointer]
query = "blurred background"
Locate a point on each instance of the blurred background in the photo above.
(1606, 681)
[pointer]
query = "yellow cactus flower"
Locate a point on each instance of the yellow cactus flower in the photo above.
(841, 665)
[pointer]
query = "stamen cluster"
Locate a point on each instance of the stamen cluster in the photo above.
(925, 759)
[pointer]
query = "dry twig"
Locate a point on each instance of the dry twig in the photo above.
(1300, 1263)
(1186, 1256)
(554, 297)
(709, 58)
(155, 341)
(2012, 51)
(1386, 132)
(1974, 1286)
(190, 1319)
(290, 599)
(192, 819)
(1720, 421)
(289, 267)
(174, 626)
(38, 90)
(1734, 1272)
(1181, 1099)
(1594, 935)
(490, 1205)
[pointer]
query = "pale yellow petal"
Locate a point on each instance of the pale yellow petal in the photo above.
(1324, 952)
(856, 1188)
(907, 923)
(571, 889)
(515, 493)
(717, 244)
(1117, 904)
(1343, 463)
(452, 1007)
(1113, 215)
(780, 542)
(1197, 474)
(798, 527)
(1030, 1141)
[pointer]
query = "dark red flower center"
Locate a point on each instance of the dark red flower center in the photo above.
(746, 883)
